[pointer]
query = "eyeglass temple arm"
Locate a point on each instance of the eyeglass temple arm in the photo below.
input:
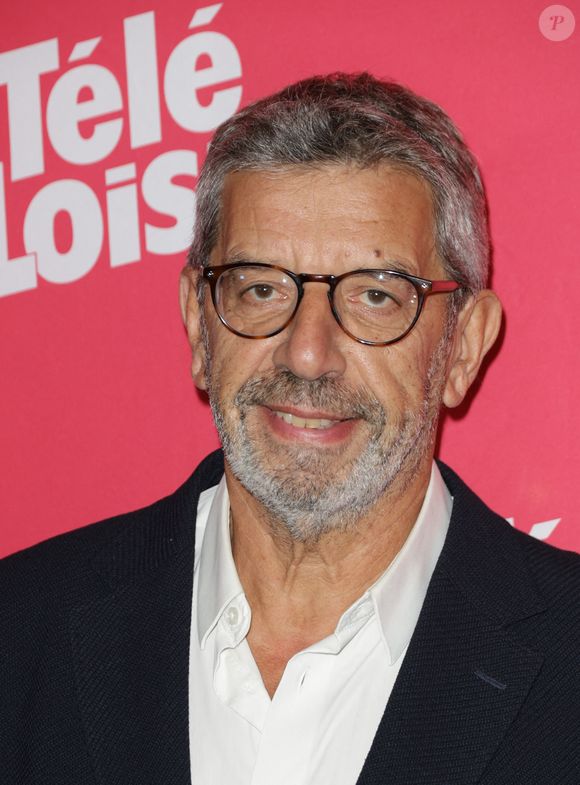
(444, 286)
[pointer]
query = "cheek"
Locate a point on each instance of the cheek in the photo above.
(396, 375)
(234, 360)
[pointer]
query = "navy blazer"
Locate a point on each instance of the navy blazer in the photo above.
(94, 638)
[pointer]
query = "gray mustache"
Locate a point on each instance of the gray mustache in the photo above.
(336, 398)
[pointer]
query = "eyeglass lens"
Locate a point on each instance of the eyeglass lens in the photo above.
(257, 301)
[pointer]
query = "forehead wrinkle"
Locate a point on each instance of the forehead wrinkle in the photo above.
(316, 221)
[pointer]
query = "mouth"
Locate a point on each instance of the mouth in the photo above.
(316, 423)
(308, 427)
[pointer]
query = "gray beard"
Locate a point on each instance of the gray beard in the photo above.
(304, 488)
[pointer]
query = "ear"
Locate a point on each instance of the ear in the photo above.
(477, 328)
(191, 315)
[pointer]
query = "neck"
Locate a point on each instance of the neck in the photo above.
(309, 584)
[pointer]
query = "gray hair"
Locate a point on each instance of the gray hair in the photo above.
(355, 119)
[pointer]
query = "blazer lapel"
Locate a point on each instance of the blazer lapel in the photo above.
(460, 687)
(464, 677)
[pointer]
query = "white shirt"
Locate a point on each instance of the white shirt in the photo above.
(319, 726)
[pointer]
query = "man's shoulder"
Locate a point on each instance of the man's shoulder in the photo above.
(65, 564)
(510, 553)
(556, 572)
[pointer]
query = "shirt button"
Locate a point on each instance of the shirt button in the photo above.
(232, 616)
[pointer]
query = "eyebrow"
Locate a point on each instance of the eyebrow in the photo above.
(239, 257)
(401, 266)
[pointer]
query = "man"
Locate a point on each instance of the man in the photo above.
(324, 604)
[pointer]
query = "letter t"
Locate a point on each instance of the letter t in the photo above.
(20, 70)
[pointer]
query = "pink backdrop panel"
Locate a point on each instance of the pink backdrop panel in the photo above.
(105, 115)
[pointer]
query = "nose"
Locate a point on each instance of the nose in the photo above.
(311, 344)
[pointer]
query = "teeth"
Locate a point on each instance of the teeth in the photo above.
(302, 422)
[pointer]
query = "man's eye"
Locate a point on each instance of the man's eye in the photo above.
(378, 298)
(261, 292)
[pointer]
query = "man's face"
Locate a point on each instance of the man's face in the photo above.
(316, 426)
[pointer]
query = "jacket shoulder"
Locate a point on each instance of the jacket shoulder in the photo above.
(64, 564)
(516, 575)
(556, 572)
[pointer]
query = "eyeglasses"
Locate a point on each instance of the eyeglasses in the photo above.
(374, 307)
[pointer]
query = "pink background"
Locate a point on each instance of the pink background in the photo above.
(97, 411)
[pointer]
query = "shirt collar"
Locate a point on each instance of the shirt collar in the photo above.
(399, 593)
(218, 582)
(397, 596)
